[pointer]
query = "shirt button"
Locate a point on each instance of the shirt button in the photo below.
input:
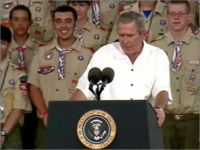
(131, 84)
(177, 78)
(57, 90)
(131, 69)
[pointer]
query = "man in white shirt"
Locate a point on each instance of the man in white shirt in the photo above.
(141, 70)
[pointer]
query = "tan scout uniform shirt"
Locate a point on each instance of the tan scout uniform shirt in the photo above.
(44, 71)
(185, 84)
(108, 11)
(92, 37)
(31, 49)
(155, 24)
(42, 22)
(41, 15)
(13, 89)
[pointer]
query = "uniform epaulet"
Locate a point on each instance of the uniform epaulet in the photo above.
(127, 7)
(158, 38)
(41, 44)
(196, 36)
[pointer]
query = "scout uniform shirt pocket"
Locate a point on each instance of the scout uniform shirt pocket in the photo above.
(191, 85)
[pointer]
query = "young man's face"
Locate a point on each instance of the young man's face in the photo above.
(64, 24)
(81, 8)
(129, 38)
(178, 16)
(20, 22)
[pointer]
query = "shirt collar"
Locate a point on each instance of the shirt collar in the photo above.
(186, 39)
(28, 44)
(74, 46)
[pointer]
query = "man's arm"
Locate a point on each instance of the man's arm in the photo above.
(78, 95)
(10, 123)
(38, 100)
(161, 102)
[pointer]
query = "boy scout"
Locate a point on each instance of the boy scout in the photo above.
(86, 32)
(181, 127)
(13, 96)
(57, 67)
(23, 46)
(154, 13)
(41, 28)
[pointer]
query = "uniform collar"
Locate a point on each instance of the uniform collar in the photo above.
(74, 46)
(29, 43)
(186, 39)
(88, 25)
(159, 8)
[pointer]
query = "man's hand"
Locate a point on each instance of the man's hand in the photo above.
(160, 115)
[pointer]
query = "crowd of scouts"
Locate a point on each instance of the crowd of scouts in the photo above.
(38, 64)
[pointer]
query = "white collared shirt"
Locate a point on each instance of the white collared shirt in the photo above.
(144, 79)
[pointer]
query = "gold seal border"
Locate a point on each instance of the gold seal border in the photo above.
(80, 125)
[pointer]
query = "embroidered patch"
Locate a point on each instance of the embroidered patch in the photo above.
(38, 9)
(112, 6)
(48, 55)
(192, 79)
(23, 86)
(80, 58)
(162, 22)
(96, 36)
(38, 19)
(12, 82)
(46, 69)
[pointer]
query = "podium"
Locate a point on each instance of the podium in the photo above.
(136, 124)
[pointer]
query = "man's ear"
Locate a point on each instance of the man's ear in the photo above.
(145, 35)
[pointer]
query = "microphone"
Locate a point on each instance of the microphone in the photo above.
(107, 76)
(94, 76)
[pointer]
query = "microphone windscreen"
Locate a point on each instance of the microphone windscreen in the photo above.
(94, 75)
(107, 75)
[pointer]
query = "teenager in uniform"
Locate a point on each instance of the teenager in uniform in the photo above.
(181, 127)
(86, 32)
(13, 96)
(56, 67)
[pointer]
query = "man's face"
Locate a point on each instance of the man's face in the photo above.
(129, 38)
(178, 17)
(81, 8)
(4, 48)
(20, 22)
(64, 25)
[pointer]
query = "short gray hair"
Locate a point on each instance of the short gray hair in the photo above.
(132, 16)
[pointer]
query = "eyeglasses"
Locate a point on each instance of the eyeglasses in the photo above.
(179, 14)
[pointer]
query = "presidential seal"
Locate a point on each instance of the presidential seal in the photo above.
(96, 129)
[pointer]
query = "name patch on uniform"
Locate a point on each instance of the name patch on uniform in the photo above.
(46, 69)
(192, 62)
(48, 55)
